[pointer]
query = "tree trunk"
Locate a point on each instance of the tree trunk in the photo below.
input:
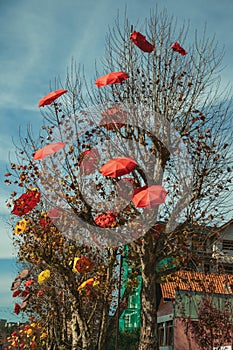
(148, 333)
(79, 326)
(103, 328)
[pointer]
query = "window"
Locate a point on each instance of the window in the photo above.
(131, 320)
(227, 244)
(169, 333)
(134, 300)
(161, 334)
(165, 333)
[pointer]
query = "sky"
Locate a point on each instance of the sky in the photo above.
(38, 40)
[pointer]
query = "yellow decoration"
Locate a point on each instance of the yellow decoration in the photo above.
(29, 331)
(21, 226)
(74, 264)
(90, 282)
(43, 276)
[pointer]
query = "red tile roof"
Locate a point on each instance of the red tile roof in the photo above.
(198, 282)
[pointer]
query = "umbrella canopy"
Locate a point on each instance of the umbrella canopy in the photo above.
(88, 161)
(88, 283)
(176, 47)
(118, 167)
(43, 276)
(48, 150)
(21, 226)
(149, 196)
(26, 202)
(16, 293)
(113, 118)
(82, 265)
(50, 97)
(111, 78)
(140, 41)
(17, 309)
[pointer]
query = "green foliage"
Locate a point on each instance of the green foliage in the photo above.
(127, 341)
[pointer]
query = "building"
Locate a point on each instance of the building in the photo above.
(185, 290)
(181, 299)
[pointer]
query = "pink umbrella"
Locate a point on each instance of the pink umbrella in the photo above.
(48, 150)
(149, 196)
(118, 167)
(50, 97)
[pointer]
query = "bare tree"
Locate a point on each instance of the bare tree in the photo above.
(174, 121)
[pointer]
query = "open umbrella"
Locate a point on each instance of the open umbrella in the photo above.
(113, 118)
(50, 97)
(48, 150)
(149, 196)
(140, 41)
(118, 167)
(176, 47)
(111, 78)
(26, 202)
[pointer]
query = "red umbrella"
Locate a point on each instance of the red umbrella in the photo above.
(111, 78)
(149, 196)
(118, 166)
(113, 118)
(140, 41)
(88, 161)
(105, 220)
(50, 97)
(48, 150)
(83, 265)
(16, 293)
(28, 283)
(26, 202)
(176, 47)
(17, 309)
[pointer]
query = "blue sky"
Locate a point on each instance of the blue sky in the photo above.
(38, 40)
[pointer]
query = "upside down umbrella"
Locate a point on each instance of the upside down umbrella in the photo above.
(43, 276)
(48, 150)
(82, 265)
(17, 309)
(21, 226)
(113, 118)
(118, 167)
(88, 283)
(50, 97)
(106, 220)
(149, 196)
(140, 41)
(176, 47)
(26, 202)
(111, 78)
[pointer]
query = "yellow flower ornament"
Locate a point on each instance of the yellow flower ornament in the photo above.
(43, 276)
